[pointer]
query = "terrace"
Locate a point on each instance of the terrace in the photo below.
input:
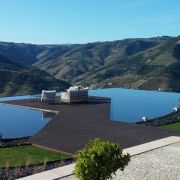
(76, 124)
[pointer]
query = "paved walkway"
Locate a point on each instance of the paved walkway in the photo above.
(154, 160)
(52, 174)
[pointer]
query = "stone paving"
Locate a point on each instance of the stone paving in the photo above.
(158, 164)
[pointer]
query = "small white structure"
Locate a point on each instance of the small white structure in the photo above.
(110, 83)
(175, 109)
(74, 94)
(73, 88)
(48, 96)
(144, 118)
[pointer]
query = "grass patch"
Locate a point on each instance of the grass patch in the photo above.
(173, 126)
(20, 155)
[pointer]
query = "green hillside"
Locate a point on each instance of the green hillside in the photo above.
(19, 79)
(154, 68)
(143, 63)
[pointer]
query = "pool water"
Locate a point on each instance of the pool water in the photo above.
(131, 105)
(126, 105)
(18, 122)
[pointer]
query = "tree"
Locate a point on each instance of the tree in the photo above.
(99, 160)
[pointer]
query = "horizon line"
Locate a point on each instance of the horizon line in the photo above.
(88, 42)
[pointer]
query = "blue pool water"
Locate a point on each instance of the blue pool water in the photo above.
(126, 105)
(17, 122)
(131, 105)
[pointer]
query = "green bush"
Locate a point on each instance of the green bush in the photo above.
(99, 160)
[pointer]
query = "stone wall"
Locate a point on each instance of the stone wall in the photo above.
(14, 142)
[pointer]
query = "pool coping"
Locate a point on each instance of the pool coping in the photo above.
(27, 107)
(67, 170)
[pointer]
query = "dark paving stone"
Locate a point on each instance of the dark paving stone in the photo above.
(76, 124)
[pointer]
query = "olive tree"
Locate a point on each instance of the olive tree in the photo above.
(99, 160)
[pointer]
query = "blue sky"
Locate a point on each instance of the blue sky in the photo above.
(81, 21)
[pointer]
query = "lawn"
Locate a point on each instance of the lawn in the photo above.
(22, 155)
(173, 126)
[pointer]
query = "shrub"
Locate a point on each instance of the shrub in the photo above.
(99, 160)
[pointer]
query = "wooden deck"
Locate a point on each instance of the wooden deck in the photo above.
(76, 124)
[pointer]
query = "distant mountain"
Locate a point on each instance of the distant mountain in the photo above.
(17, 79)
(144, 63)
(154, 68)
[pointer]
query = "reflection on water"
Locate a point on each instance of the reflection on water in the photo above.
(17, 121)
(47, 115)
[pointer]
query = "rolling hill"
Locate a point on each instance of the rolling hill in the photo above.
(18, 79)
(143, 63)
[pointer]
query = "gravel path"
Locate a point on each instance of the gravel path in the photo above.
(159, 164)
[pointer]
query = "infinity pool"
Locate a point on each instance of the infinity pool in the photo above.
(131, 105)
(17, 122)
(126, 105)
